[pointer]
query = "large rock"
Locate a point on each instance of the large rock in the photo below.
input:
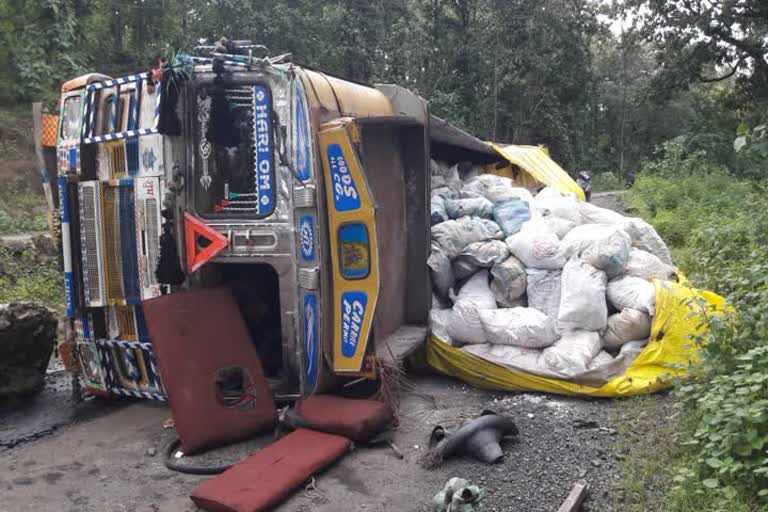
(27, 338)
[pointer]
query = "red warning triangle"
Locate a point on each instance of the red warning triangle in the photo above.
(197, 234)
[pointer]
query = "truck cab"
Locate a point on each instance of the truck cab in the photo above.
(304, 194)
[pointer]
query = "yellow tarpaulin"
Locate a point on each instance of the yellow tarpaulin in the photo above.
(535, 162)
(678, 319)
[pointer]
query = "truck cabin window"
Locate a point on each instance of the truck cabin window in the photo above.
(70, 124)
(234, 168)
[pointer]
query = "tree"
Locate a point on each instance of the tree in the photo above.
(709, 41)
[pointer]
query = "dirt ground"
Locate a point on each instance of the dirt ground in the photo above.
(106, 457)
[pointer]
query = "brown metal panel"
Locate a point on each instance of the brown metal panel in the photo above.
(82, 81)
(381, 159)
(195, 334)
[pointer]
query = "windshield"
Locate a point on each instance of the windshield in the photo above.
(234, 168)
(70, 123)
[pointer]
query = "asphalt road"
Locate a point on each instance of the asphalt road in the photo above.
(106, 458)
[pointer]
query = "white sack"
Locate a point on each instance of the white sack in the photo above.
(591, 214)
(537, 247)
(497, 188)
(438, 323)
(631, 349)
(582, 297)
(572, 353)
(485, 254)
(632, 292)
(558, 226)
(472, 172)
(438, 303)
(468, 194)
(455, 235)
(609, 254)
(646, 238)
(476, 206)
(603, 368)
(601, 359)
(436, 181)
(519, 358)
(509, 281)
(438, 213)
(449, 174)
(549, 193)
(521, 327)
(474, 296)
(560, 207)
(463, 268)
(445, 193)
(544, 290)
(440, 271)
(647, 266)
(503, 302)
(626, 326)
(581, 237)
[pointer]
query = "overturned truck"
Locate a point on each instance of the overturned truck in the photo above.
(306, 196)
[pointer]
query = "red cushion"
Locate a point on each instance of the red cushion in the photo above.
(195, 333)
(358, 420)
(269, 476)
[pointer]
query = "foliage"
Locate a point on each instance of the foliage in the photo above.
(29, 276)
(681, 206)
(521, 71)
(720, 222)
(21, 210)
(729, 401)
(606, 182)
(707, 41)
(752, 146)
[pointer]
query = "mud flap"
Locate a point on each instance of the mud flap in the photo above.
(353, 247)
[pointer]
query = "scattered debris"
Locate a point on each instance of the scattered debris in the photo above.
(573, 502)
(457, 496)
(386, 438)
(582, 423)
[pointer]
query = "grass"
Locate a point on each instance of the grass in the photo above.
(16, 140)
(22, 205)
(29, 276)
(606, 182)
(713, 224)
(22, 210)
(647, 444)
(651, 432)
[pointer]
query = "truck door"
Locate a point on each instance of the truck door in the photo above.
(353, 247)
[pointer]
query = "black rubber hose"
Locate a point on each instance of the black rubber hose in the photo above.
(491, 421)
(498, 427)
(173, 464)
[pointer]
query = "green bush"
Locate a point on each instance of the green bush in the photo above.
(717, 226)
(606, 182)
(21, 210)
(726, 398)
(30, 277)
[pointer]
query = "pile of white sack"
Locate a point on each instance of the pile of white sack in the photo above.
(546, 284)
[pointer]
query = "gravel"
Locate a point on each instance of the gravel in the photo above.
(561, 441)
